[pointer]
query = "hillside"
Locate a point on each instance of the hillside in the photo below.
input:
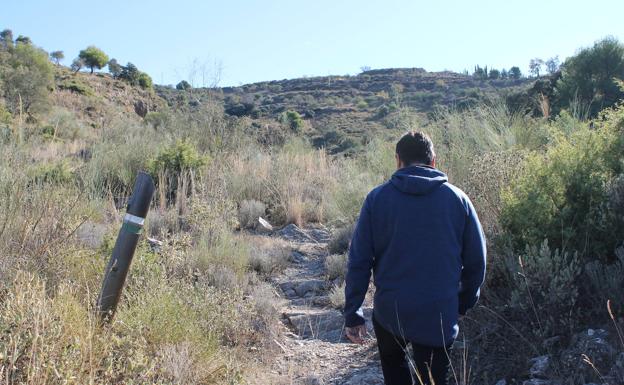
(353, 106)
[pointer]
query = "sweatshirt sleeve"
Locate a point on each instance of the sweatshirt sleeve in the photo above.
(474, 257)
(359, 267)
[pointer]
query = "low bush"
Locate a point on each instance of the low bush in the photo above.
(74, 84)
(294, 181)
(249, 212)
(292, 120)
(546, 289)
(268, 256)
(54, 173)
(336, 266)
(337, 296)
(340, 239)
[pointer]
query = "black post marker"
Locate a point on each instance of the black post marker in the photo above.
(125, 246)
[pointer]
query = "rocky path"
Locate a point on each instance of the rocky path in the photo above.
(314, 350)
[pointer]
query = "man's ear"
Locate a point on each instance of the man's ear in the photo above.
(399, 164)
(433, 163)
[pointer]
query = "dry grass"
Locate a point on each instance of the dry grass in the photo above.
(249, 212)
(268, 255)
(336, 266)
(294, 181)
(337, 296)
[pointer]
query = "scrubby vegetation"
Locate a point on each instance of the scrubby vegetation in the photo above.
(199, 307)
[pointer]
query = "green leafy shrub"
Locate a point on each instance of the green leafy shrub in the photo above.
(292, 120)
(5, 116)
(174, 169)
(145, 81)
(361, 104)
(181, 156)
(561, 195)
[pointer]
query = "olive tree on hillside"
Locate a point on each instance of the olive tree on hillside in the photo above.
(57, 56)
(183, 85)
(77, 64)
(589, 78)
(552, 65)
(6, 38)
(93, 57)
(535, 66)
(115, 68)
(23, 40)
(515, 73)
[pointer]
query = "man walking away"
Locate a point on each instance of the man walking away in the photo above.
(421, 237)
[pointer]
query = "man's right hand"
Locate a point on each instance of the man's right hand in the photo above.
(356, 334)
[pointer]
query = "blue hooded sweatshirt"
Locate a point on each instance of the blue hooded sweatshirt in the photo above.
(421, 237)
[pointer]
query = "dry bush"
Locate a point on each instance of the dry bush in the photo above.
(249, 212)
(266, 304)
(294, 181)
(337, 296)
(487, 176)
(268, 255)
(336, 266)
(341, 239)
(37, 220)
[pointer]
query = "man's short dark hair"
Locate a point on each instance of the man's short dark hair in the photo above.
(415, 147)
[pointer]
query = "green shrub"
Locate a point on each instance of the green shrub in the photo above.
(182, 156)
(145, 81)
(292, 120)
(561, 195)
(55, 173)
(361, 104)
(5, 116)
(74, 84)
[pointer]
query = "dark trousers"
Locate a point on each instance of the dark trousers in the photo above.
(428, 362)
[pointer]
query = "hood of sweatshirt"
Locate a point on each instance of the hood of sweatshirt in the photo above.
(418, 180)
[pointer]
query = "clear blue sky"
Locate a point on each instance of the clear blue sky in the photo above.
(277, 39)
